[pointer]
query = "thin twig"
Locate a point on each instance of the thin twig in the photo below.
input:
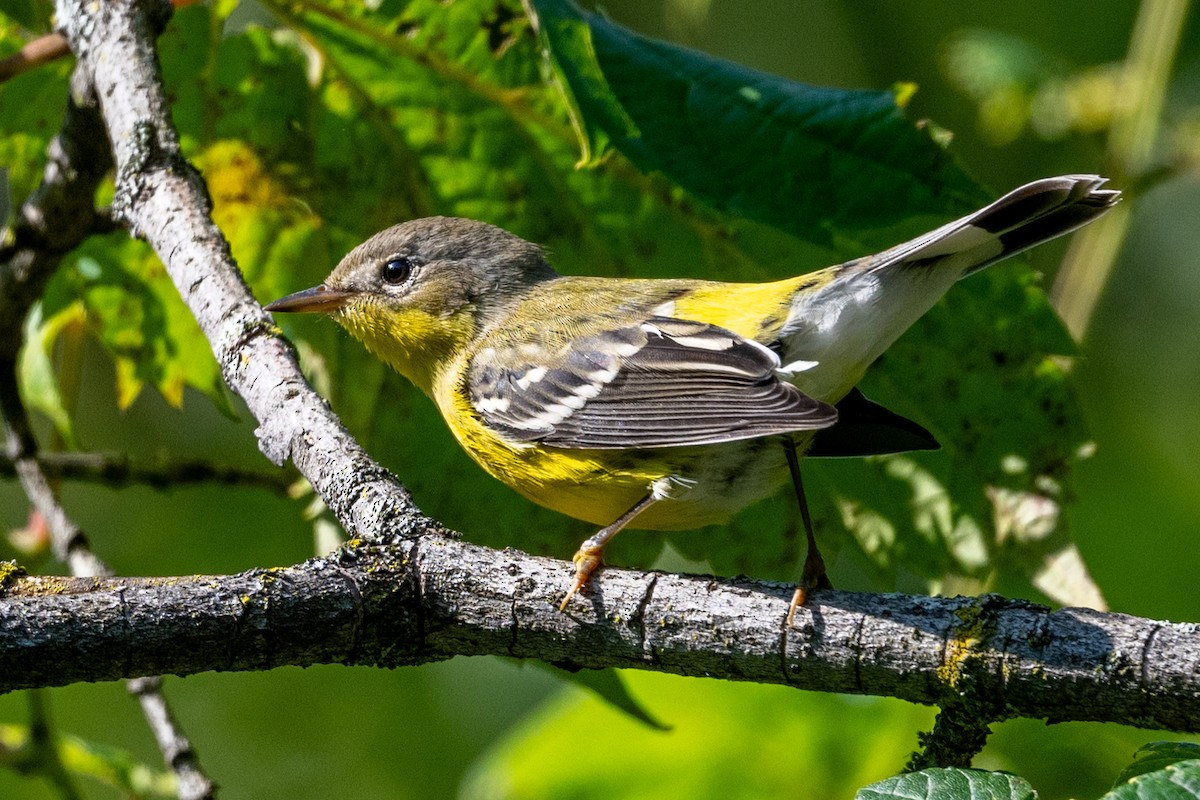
(176, 749)
(70, 544)
(67, 541)
(116, 471)
(44, 750)
(41, 50)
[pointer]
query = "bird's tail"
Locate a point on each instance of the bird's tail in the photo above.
(854, 311)
(1025, 217)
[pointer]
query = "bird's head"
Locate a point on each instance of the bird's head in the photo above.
(417, 293)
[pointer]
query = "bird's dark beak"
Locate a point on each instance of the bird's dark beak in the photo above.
(319, 298)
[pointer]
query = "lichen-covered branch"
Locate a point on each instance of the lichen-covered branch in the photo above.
(431, 598)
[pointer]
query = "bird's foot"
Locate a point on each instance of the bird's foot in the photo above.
(587, 560)
(814, 578)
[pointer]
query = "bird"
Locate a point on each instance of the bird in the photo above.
(661, 404)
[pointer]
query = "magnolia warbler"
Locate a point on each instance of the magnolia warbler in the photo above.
(660, 404)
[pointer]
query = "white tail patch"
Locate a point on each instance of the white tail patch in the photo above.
(968, 237)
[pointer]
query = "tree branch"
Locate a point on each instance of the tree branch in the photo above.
(430, 599)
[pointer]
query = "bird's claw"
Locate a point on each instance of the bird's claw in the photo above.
(813, 578)
(587, 560)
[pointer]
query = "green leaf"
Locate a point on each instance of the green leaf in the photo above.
(845, 168)
(1176, 781)
(950, 784)
(35, 15)
(31, 109)
(37, 376)
(728, 741)
(133, 309)
(115, 288)
(1156, 756)
(818, 162)
(109, 766)
(608, 686)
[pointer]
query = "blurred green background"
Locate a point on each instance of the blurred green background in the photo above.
(492, 728)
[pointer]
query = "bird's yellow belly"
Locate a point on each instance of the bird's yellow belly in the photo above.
(699, 486)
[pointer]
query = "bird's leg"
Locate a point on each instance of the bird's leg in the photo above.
(814, 575)
(589, 556)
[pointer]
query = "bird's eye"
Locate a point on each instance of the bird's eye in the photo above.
(398, 270)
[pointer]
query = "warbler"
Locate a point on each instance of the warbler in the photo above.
(660, 404)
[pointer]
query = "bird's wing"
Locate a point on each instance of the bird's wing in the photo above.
(662, 383)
